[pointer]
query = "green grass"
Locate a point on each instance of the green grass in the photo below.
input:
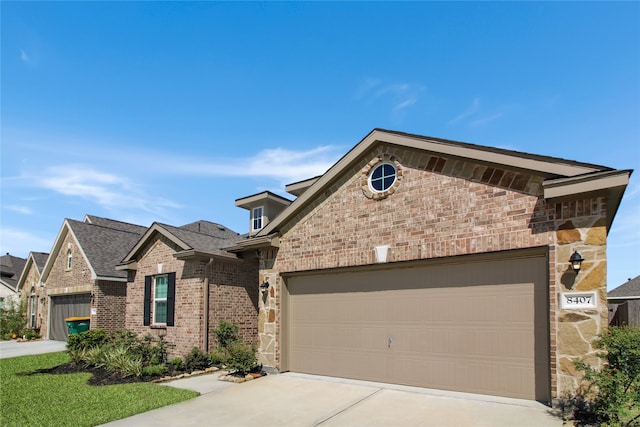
(28, 399)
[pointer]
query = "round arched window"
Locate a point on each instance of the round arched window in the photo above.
(382, 177)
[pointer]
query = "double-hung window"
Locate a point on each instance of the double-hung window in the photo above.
(256, 218)
(159, 300)
(160, 291)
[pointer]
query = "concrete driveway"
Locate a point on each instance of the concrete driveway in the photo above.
(15, 348)
(305, 400)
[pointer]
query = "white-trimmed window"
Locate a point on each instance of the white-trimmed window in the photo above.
(69, 259)
(32, 311)
(160, 292)
(382, 177)
(257, 220)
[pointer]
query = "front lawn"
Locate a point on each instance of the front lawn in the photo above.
(28, 398)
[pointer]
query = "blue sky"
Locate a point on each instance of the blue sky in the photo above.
(169, 111)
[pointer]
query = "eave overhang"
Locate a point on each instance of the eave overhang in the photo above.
(261, 198)
(270, 241)
(610, 184)
(193, 255)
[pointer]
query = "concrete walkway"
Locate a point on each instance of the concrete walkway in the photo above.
(306, 400)
(15, 348)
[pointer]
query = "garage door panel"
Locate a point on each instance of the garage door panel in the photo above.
(471, 327)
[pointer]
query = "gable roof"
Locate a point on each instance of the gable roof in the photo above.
(629, 289)
(112, 223)
(10, 270)
(563, 178)
(36, 259)
(198, 239)
(102, 243)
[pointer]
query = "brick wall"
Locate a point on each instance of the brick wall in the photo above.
(442, 207)
(109, 301)
(232, 296)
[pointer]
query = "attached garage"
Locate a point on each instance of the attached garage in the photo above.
(473, 324)
(77, 305)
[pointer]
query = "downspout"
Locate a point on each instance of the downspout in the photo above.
(205, 299)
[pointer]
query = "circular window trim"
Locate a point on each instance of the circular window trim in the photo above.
(368, 190)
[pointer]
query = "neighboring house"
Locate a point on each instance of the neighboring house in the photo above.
(181, 283)
(624, 304)
(33, 293)
(10, 269)
(439, 264)
(80, 275)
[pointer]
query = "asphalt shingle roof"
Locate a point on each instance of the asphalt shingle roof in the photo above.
(204, 236)
(105, 245)
(10, 269)
(41, 259)
(628, 289)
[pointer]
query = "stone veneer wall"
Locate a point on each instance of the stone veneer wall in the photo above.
(444, 207)
(581, 227)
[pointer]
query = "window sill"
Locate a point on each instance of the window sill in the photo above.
(158, 326)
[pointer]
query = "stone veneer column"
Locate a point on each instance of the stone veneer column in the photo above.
(267, 309)
(577, 329)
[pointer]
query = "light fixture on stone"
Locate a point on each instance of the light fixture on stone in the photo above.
(264, 286)
(576, 262)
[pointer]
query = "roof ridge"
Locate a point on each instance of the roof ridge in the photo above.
(110, 228)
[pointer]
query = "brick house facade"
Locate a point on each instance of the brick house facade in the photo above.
(80, 278)
(450, 204)
(206, 285)
(32, 292)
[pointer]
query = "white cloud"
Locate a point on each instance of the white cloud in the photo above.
(20, 243)
(400, 95)
(23, 56)
(284, 165)
(471, 110)
(106, 189)
(25, 210)
(486, 119)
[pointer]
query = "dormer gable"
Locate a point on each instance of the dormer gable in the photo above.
(263, 208)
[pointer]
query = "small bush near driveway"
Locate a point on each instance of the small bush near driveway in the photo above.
(616, 387)
(30, 398)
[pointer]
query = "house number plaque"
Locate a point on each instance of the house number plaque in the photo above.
(575, 300)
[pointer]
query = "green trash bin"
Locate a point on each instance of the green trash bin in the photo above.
(77, 324)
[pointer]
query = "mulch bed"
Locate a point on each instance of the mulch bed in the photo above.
(99, 377)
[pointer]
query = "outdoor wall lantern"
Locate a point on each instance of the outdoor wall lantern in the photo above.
(576, 262)
(264, 286)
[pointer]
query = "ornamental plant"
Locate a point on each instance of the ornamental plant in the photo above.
(617, 385)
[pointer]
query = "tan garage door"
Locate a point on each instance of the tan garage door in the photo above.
(477, 327)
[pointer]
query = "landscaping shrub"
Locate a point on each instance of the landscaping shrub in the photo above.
(120, 351)
(12, 319)
(154, 370)
(31, 334)
(617, 385)
(218, 357)
(176, 363)
(226, 333)
(120, 359)
(241, 358)
(197, 360)
(88, 339)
